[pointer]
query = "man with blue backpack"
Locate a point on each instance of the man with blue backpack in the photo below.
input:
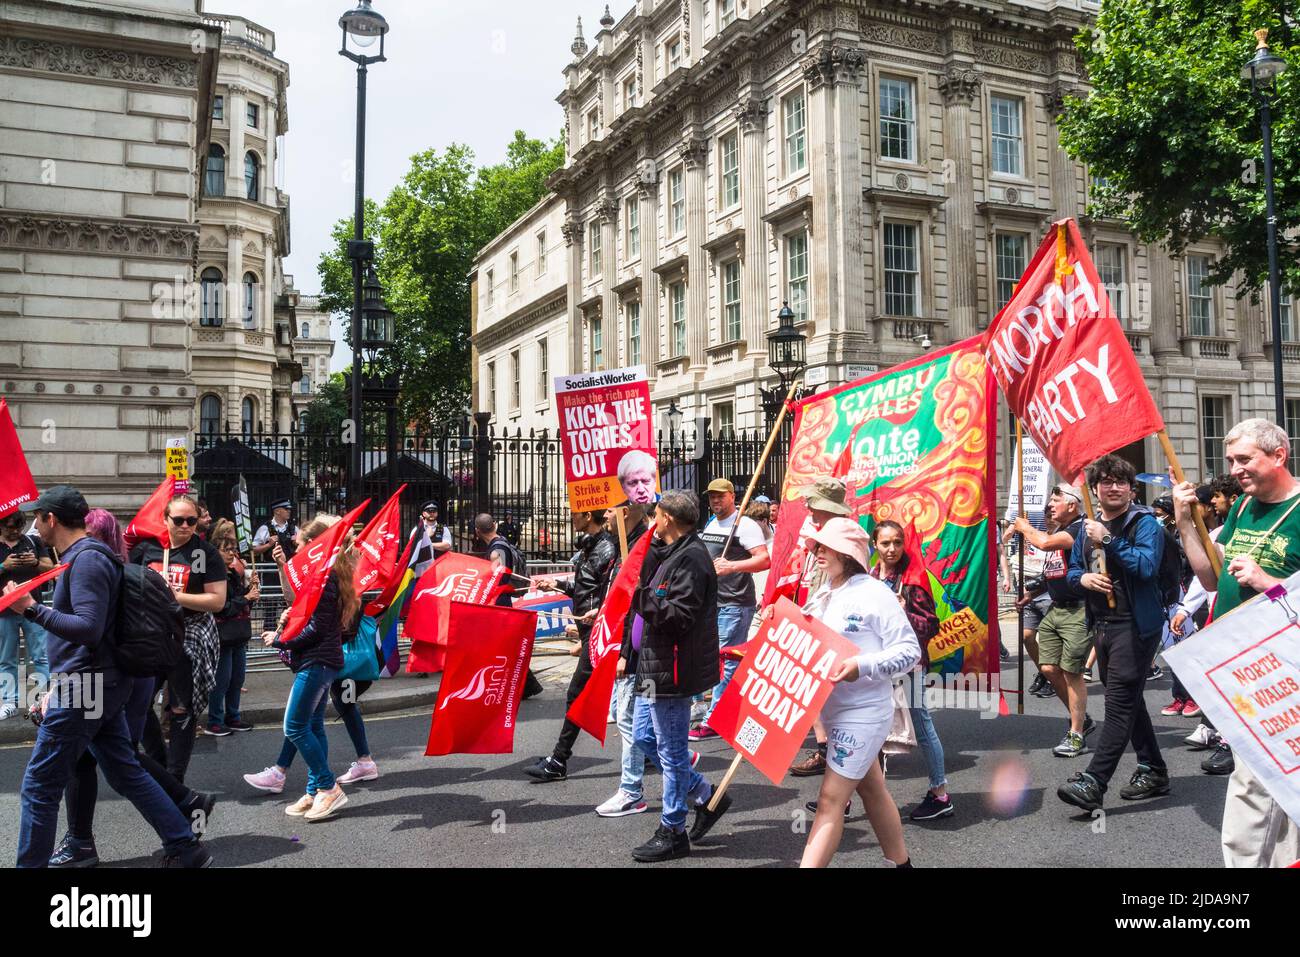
(85, 707)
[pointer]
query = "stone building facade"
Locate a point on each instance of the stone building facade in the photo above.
(313, 347)
(886, 168)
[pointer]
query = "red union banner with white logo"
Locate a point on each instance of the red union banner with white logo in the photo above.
(487, 660)
(16, 484)
(326, 548)
(452, 578)
(779, 688)
(378, 544)
(605, 420)
(1063, 361)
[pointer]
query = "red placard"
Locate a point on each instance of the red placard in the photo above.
(27, 587)
(16, 483)
(779, 688)
(1062, 360)
(604, 419)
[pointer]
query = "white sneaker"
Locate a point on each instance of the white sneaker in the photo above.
(1203, 738)
(359, 771)
(327, 804)
(621, 805)
(8, 711)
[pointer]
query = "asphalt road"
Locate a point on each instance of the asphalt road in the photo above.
(470, 810)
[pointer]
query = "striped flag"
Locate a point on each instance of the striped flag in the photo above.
(387, 629)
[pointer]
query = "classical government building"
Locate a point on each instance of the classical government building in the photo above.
(886, 168)
(142, 229)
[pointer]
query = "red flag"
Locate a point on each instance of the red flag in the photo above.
(16, 483)
(915, 573)
(149, 522)
(30, 586)
(453, 577)
(788, 552)
(324, 550)
(378, 544)
(590, 709)
(1061, 358)
(478, 700)
(380, 604)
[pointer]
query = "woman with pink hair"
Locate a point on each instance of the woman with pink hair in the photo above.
(101, 524)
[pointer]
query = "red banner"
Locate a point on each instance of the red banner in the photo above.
(487, 659)
(590, 710)
(779, 688)
(453, 577)
(326, 548)
(378, 544)
(27, 587)
(1062, 360)
(16, 483)
(149, 522)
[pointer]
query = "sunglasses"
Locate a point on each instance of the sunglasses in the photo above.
(183, 519)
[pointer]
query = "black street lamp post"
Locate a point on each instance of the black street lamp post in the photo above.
(1261, 70)
(363, 25)
(377, 336)
(786, 356)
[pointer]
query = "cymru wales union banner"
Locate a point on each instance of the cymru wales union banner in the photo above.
(916, 444)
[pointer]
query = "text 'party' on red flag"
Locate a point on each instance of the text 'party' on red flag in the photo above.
(590, 710)
(779, 688)
(487, 660)
(453, 577)
(378, 544)
(149, 523)
(325, 549)
(16, 482)
(29, 586)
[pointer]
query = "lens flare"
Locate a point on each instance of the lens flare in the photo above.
(1008, 788)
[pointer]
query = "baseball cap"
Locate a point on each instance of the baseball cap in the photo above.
(721, 485)
(63, 500)
(1069, 491)
(827, 495)
(762, 499)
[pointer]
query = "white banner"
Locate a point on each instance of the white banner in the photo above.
(1244, 672)
(1037, 472)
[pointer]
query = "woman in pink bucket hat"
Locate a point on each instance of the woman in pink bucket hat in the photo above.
(859, 712)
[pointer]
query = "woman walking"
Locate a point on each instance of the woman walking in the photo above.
(235, 627)
(859, 711)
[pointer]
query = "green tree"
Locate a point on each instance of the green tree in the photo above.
(1172, 130)
(426, 235)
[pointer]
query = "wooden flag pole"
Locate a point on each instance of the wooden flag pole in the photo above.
(1211, 551)
(1020, 609)
(1101, 552)
(621, 524)
(725, 783)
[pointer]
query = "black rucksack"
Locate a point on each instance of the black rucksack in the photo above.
(1169, 578)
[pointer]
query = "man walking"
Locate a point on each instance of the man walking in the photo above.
(1127, 632)
(84, 709)
(504, 555)
(22, 558)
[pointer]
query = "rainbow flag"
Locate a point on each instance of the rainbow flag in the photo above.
(387, 628)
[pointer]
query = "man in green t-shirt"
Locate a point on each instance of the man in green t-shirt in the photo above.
(1260, 547)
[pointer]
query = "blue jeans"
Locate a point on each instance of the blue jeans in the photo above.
(223, 702)
(633, 756)
(659, 730)
(351, 715)
(66, 733)
(10, 625)
(926, 736)
(304, 723)
(733, 629)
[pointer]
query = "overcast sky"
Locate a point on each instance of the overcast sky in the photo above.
(468, 72)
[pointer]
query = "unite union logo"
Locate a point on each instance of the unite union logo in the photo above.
(487, 683)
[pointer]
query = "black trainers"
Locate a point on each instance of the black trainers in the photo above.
(932, 808)
(705, 819)
(1155, 673)
(194, 856)
(547, 769)
(666, 845)
(1220, 762)
(239, 726)
(1082, 790)
(1036, 685)
(72, 852)
(532, 687)
(198, 809)
(1146, 782)
(812, 807)
(1045, 690)
(1089, 726)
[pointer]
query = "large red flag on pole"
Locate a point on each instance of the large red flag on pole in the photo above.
(1062, 360)
(453, 577)
(16, 482)
(478, 700)
(590, 710)
(378, 544)
(149, 522)
(325, 549)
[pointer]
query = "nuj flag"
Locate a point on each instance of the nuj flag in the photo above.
(1061, 358)
(16, 483)
(378, 544)
(590, 709)
(451, 578)
(149, 522)
(478, 700)
(324, 550)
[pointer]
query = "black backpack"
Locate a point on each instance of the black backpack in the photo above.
(150, 622)
(1169, 578)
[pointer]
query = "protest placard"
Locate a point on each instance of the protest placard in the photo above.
(606, 438)
(178, 465)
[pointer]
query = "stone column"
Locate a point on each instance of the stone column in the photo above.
(1065, 192)
(266, 321)
(959, 86)
(576, 243)
(823, 173)
(234, 291)
(237, 122)
(648, 191)
(1250, 329)
(1163, 272)
(611, 336)
(844, 233)
(268, 174)
(756, 314)
(694, 153)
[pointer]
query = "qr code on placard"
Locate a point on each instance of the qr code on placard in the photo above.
(750, 736)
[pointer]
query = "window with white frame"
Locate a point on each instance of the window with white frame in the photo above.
(632, 311)
(541, 252)
(491, 387)
(1284, 310)
(593, 249)
(677, 318)
(1110, 261)
(210, 415)
(250, 301)
(1292, 427)
(726, 13)
(796, 274)
(672, 54)
(632, 223)
(593, 125)
(219, 108)
(902, 270)
(1007, 129)
(898, 118)
(1009, 251)
(629, 92)
(731, 301)
(795, 122)
(724, 420)
(597, 344)
(514, 379)
(1214, 426)
(1200, 297)
(729, 163)
(253, 119)
(211, 283)
(514, 271)
(543, 372)
(490, 293)
(676, 202)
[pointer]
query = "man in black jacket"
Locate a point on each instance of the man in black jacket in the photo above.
(675, 632)
(597, 553)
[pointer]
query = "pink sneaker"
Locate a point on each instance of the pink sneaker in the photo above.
(301, 806)
(327, 804)
(364, 770)
(702, 733)
(268, 779)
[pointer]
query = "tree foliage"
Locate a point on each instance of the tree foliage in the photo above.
(426, 235)
(1173, 131)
